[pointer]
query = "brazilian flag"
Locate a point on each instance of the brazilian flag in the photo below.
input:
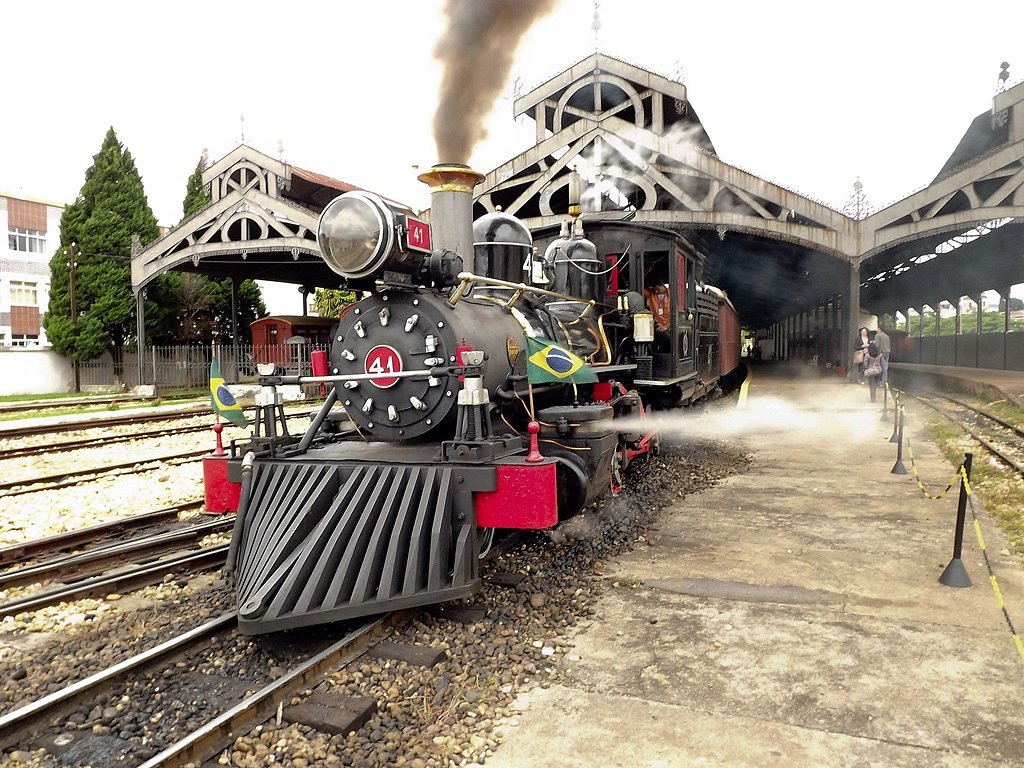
(547, 361)
(221, 399)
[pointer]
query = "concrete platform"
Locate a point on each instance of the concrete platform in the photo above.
(792, 616)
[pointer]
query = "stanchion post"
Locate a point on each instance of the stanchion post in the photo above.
(897, 417)
(898, 468)
(885, 403)
(955, 575)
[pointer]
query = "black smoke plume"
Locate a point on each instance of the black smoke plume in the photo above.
(476, 50)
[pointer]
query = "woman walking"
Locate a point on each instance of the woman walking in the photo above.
(873, 367)
(860, 349)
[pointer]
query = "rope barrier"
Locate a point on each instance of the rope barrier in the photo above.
(900, 414)
(991, 573)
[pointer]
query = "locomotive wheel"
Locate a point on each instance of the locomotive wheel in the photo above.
(618, 464)
(485, 540)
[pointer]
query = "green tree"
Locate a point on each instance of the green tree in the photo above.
(195, 193)
(95, 242)
(330, 301)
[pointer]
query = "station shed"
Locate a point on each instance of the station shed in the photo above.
(288, 340)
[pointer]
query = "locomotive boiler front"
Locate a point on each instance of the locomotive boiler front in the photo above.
(401, 331)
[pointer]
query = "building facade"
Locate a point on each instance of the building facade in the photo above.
(33, 231)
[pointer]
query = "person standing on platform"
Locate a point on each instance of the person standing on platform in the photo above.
(884, 349)
(873, 367)
(860, 348)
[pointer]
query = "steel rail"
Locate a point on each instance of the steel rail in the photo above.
(100, 559)
(94, 442)
(121, 581)
(64, 479)
(221, 731)
(70, 539)
(994, 450)
(15, 726)
(72, 402)
(111, 421)
(990, 416)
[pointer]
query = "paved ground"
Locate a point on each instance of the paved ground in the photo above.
(792, 616)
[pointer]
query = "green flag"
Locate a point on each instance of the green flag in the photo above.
(547, 361)
(221, 399)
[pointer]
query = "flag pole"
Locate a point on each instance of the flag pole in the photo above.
(533, 428)
(217, 426)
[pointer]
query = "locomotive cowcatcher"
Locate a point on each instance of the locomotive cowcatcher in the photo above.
(485, 380)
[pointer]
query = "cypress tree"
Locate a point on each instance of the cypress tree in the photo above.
(96, 236)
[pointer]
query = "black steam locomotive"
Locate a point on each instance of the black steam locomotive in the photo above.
(481, 383)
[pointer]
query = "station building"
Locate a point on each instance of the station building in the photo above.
(33, 231)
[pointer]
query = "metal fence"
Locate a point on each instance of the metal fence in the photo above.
(188, 367)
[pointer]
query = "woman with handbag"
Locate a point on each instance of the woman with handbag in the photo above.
(873, 367)
(860, 348)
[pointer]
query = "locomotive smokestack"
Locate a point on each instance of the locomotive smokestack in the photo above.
(451, 208)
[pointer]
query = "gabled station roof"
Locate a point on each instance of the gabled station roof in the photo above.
(648, 156)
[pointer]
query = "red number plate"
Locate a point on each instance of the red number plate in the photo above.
(418, 234)
(384, 360)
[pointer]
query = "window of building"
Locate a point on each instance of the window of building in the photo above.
(24, 294)
(26, 240)
(24, 340)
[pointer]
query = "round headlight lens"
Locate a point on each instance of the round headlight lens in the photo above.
(356, 233)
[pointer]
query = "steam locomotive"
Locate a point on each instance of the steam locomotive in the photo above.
(489, 378)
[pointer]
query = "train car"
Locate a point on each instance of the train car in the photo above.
(475, 387)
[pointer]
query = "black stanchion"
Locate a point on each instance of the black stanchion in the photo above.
(898, 468)
(885, 403)
(897, 407)
(955, 574)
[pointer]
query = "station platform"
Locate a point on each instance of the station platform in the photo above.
(987, 383)
(792, 615)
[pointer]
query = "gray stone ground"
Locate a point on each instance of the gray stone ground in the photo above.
(792, 616)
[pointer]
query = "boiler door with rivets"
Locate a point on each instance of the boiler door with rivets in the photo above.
(398, 332)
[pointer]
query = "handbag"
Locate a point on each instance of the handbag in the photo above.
(858, 356)
(872, 371)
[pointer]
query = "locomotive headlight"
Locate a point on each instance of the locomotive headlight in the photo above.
(356, 233)
(643, 327)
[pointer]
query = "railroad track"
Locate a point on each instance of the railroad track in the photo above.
(205, 736)
(100, 559)
(81, 425)
(69, 477)
(136, 577)
(74, 424)
(1002, 439)
(63, 403)
(96, 534)
(98, 442)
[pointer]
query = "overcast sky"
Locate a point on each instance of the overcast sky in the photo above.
(809, 95)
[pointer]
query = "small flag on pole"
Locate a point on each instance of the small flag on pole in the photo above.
(221, 399)
(547, 361)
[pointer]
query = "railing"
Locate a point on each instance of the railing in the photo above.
(188, 367)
